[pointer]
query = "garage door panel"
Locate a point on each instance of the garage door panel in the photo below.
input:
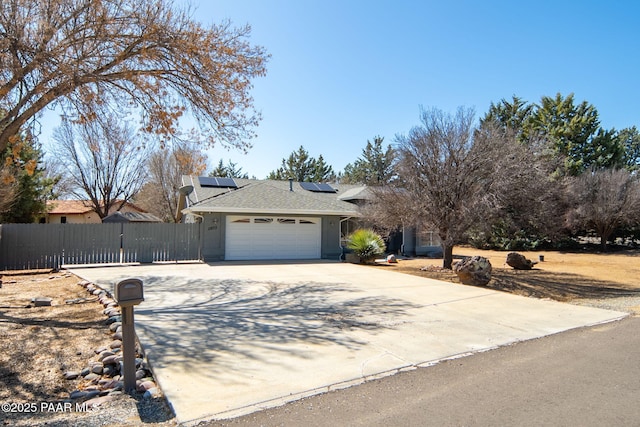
(249, 238)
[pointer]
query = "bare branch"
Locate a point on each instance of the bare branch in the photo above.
(144, 55)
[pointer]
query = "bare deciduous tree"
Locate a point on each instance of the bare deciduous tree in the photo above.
(604, 200)
(104, 160)
(447, 174)
(529, 201)
(145, 55)
(166, 166)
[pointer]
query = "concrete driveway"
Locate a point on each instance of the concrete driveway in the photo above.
(231, 338)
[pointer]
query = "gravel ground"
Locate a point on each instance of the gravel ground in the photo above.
(628, 304)
(122, 411)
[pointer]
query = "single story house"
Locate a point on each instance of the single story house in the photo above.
(77, 212)
(249, 219)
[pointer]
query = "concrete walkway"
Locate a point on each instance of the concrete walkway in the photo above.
(231, 338)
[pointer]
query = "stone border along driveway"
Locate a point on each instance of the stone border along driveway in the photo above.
(227, 339)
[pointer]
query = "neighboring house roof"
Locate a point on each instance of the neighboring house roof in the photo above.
(357, 193)
(69, 207)
(131, 217)
(266, 196)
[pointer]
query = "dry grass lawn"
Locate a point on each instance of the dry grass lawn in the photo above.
(561, 276)
(39, 344)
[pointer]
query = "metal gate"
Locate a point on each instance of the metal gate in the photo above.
(35, 246)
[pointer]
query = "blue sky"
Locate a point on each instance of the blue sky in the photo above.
(343, 72)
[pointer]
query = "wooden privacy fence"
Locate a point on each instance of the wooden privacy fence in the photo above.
(31, 246)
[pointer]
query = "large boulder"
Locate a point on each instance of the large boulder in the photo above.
(474, 271)
(519, 262)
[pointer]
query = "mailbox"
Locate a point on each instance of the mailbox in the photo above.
(129, 292)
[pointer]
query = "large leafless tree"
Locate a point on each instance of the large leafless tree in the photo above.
(146, 55)
(105, 161)
(449, 177)
(605, 200)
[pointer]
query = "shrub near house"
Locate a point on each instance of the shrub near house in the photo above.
(366, 244)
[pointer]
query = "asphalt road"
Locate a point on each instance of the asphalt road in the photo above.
(584, 377)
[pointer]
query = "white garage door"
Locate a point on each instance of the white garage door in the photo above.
(266, 237)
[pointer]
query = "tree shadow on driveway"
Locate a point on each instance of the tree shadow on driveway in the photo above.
(183, 320)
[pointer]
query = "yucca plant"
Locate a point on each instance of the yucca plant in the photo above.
(366, 244)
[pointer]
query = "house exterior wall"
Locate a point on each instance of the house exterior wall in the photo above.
(331, 248)
(409, 241)
(81, 218)
(84, 218)
(214, 235)
(421, 243)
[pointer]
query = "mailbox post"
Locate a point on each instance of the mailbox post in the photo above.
(129, 293)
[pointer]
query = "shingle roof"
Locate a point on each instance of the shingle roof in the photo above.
(131, 217)
(267, 196)
(68, 206)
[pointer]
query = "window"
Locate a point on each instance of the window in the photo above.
(428, 238)
(286, 221)
(306, 221)
(63, 220)
(242, 221)
(263, 220)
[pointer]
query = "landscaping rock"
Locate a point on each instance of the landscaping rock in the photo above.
(41, 301)
(84, 394)
(97, 368)
(112, 384)
(116, 344)
(85, 372)
(78, 394)
(91, 377)
(97, 401)
(117, 336)
(145, 385)
(104, 355)
(71, 375)
(111, 359)
(474, 271)
(519, 262)
(109, 370)
(113, 319)
(151, 393)
(114, 326)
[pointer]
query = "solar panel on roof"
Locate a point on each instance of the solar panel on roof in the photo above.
(215, 182)
(206, 181)
(325, 188)
(309, 186)
(317, 187)
(226, 182)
